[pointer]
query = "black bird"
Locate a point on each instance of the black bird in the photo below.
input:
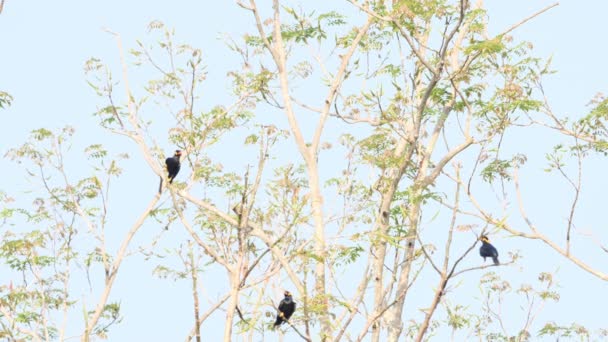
(286, 309)
(487, 250)
(173, 166)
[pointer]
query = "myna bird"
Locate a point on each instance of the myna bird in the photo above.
(173, 166)
(286, 308)
(487, 250)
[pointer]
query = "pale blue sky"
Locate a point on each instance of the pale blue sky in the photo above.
(44, 44)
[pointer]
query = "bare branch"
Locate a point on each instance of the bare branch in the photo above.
(514, 26)
(337, 83)
(92, 322)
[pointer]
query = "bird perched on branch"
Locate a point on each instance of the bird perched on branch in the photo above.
(487, 250)
(286, 308)
(173, 165)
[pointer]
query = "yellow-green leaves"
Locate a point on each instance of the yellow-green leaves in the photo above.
(489, 46)
(5, 99)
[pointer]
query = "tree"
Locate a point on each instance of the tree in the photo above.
(392, 115)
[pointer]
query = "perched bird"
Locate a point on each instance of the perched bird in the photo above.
(173, 166)
(286, 309)
(487, 250)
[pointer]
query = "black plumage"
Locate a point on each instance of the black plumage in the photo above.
(173, 165)
(487, 250)
(286, 308)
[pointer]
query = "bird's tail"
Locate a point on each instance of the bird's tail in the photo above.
(160, 187)
(495, 259)
(278, 321)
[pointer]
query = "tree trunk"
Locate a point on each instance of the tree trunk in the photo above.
(319, 248)
(378, 249)
(230, 311)
(394, 314)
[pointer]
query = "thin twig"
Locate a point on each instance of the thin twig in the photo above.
(529, 18)
(297, 331)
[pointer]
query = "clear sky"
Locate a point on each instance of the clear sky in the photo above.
(43, 47)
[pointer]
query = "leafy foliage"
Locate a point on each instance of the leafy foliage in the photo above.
(363, 179)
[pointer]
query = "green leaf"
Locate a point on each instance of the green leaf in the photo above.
(490, 46)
